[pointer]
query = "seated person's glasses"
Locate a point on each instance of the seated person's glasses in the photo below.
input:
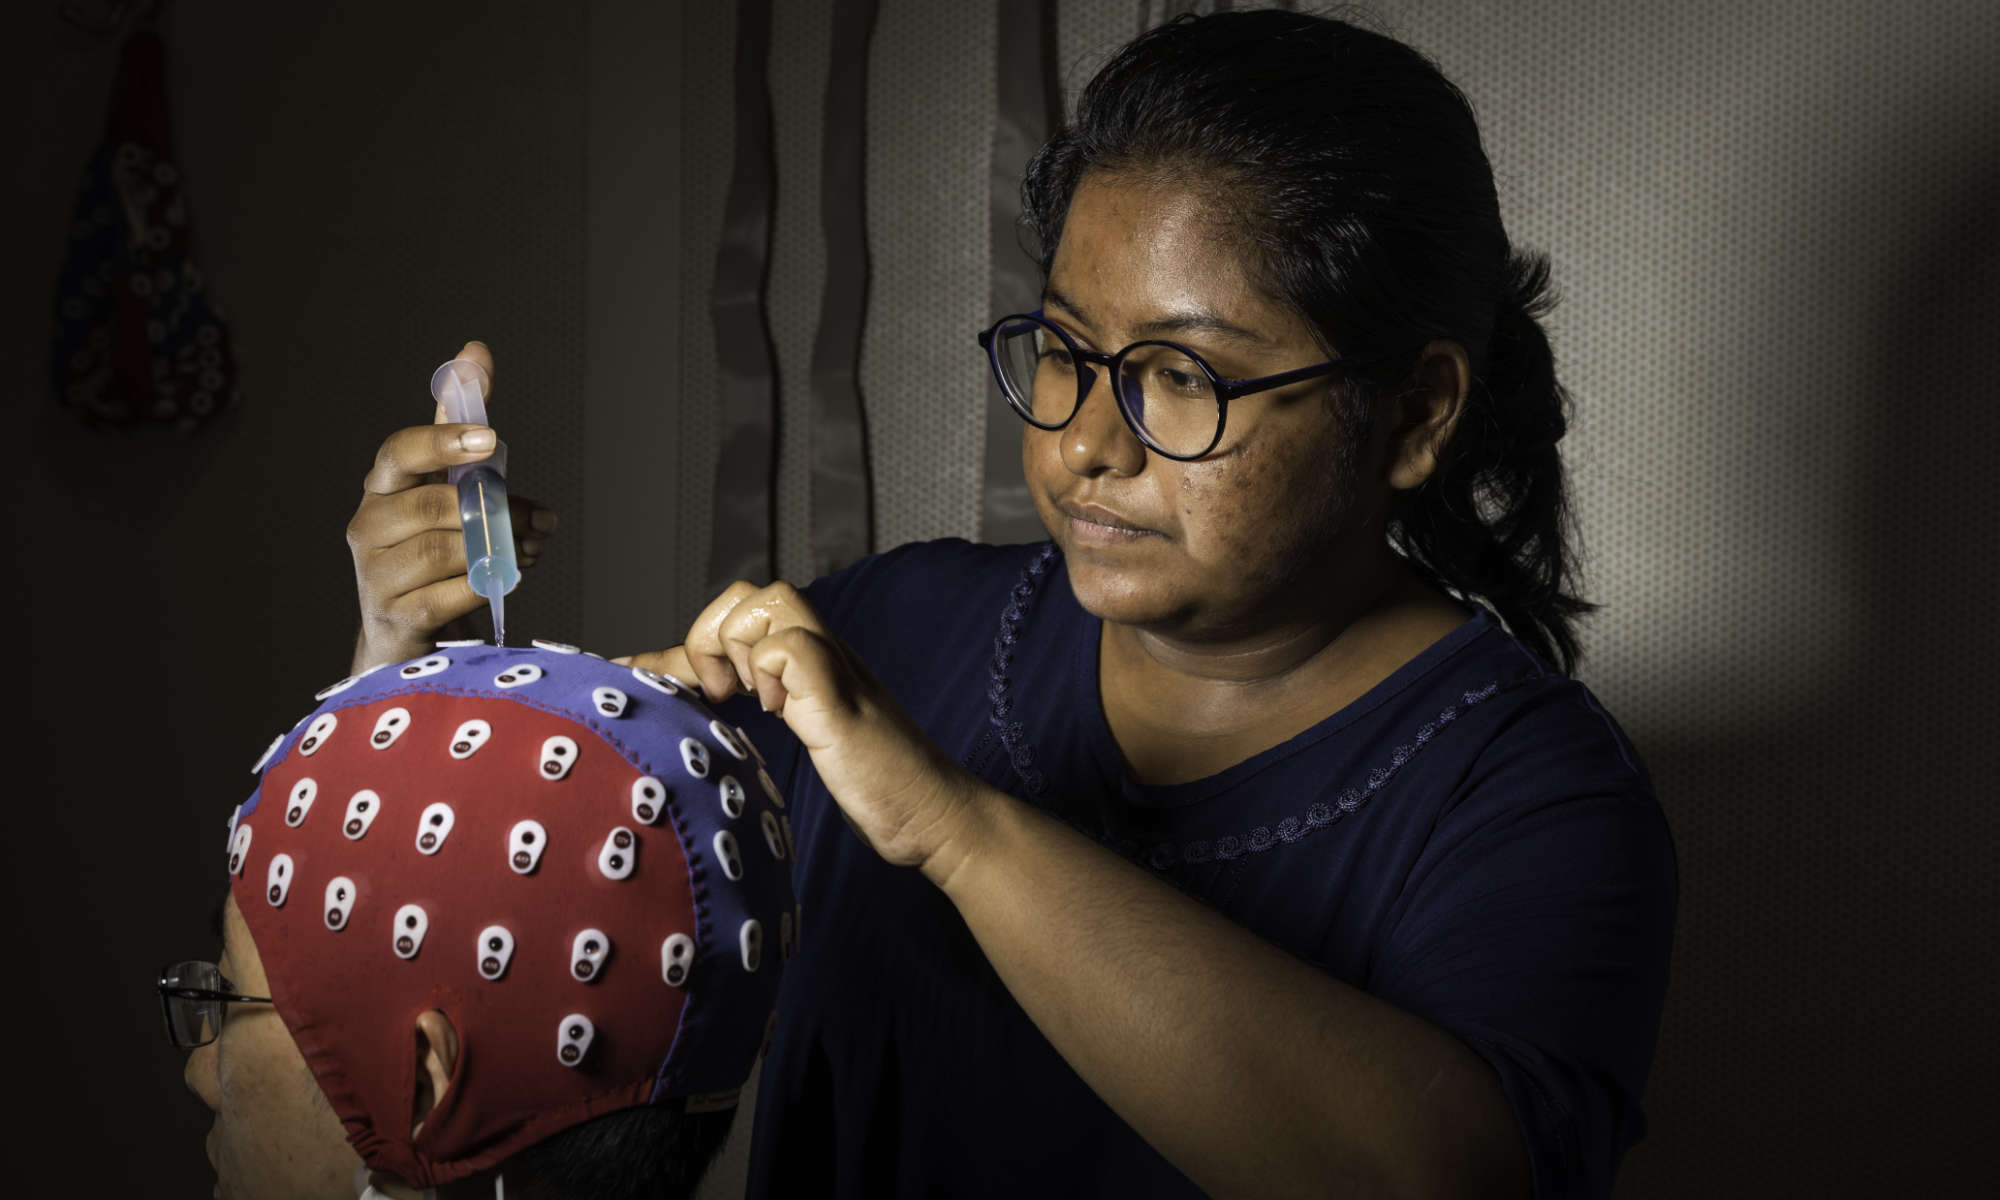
(1170, 397)
(192, 999)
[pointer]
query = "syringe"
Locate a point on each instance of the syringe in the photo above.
(460, 386)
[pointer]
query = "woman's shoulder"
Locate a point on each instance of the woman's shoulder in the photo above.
(1485, 733)
(1535, 753)
(1539, 720)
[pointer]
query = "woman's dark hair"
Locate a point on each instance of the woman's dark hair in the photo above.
(1352, 169)
(653, 1152)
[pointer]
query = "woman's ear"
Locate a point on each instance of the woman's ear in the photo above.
(1427, 413)
(437, 1058)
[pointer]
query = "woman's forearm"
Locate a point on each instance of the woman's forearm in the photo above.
(1252, 1072)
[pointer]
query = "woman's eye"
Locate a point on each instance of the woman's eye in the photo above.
(1182, 381)
(1058, 357)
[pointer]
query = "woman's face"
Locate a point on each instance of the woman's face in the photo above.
(1285, 507)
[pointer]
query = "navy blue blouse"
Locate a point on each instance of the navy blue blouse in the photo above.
(1474, 840)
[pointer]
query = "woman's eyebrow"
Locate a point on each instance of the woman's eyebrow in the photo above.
(1199, 321)
(1189, 321)
(1052, 295)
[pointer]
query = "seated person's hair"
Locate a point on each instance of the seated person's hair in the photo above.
(575, 865)
(650, 1153)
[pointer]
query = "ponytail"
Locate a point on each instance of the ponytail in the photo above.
(1494, 520)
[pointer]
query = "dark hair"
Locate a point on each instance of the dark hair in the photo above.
(1352, 169)
(653, 1152)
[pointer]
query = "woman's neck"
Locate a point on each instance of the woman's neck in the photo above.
(1183, 709)
(1312, 634)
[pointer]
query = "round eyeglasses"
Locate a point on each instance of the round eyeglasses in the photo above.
(1170, 397)
(193, 996)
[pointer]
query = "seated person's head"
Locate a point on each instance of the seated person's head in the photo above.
(510, 910)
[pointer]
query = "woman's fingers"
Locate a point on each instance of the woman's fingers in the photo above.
(533, 523)
(720, 642)
(384, 521)
(896, 788)
(766, 614)
(416, 562)
(673, 661)
(419, 614)
(893, 784)
(410, 455)
(769, 617)
(707, 656)
(803, 664)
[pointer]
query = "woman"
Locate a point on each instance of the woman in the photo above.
(1251, 853)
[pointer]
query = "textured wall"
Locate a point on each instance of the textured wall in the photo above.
(1774, 227)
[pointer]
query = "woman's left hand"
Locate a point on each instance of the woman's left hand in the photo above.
(903, 794)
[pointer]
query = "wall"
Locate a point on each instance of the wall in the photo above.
(1774, 227)
(370, 184)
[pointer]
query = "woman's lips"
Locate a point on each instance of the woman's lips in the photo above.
(1091, 525)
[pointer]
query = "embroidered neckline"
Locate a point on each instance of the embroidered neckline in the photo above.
(1162, 855)
(1166, 854)
(1020, 602)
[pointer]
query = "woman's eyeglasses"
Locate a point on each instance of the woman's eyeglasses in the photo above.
(1170, 397)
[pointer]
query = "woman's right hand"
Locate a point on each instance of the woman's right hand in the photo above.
(409, 554)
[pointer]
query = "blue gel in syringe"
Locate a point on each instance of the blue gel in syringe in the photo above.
(489, 540)
(483, 514)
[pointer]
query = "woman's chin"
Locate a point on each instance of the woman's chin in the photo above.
(1116, 597)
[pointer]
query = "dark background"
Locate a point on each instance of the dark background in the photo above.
(1775, 228)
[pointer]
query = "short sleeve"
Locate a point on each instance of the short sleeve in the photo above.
(1536, 926)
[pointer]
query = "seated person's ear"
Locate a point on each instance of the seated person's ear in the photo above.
(437, 1057)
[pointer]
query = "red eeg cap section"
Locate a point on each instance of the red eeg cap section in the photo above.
(351, 994)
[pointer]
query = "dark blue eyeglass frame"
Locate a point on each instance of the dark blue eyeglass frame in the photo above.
(1226, 389)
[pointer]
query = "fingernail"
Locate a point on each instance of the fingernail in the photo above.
(476, 440)
(544, 519)
(623, 660)
(475, 342)
(531, 547)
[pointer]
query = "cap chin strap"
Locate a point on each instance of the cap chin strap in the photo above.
(365, 1189)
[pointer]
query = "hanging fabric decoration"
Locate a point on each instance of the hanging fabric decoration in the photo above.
(841, 514)
(137, 342)
(741, 533)
(1028, 109)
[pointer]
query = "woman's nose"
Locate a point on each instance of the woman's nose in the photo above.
(1097, 440)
